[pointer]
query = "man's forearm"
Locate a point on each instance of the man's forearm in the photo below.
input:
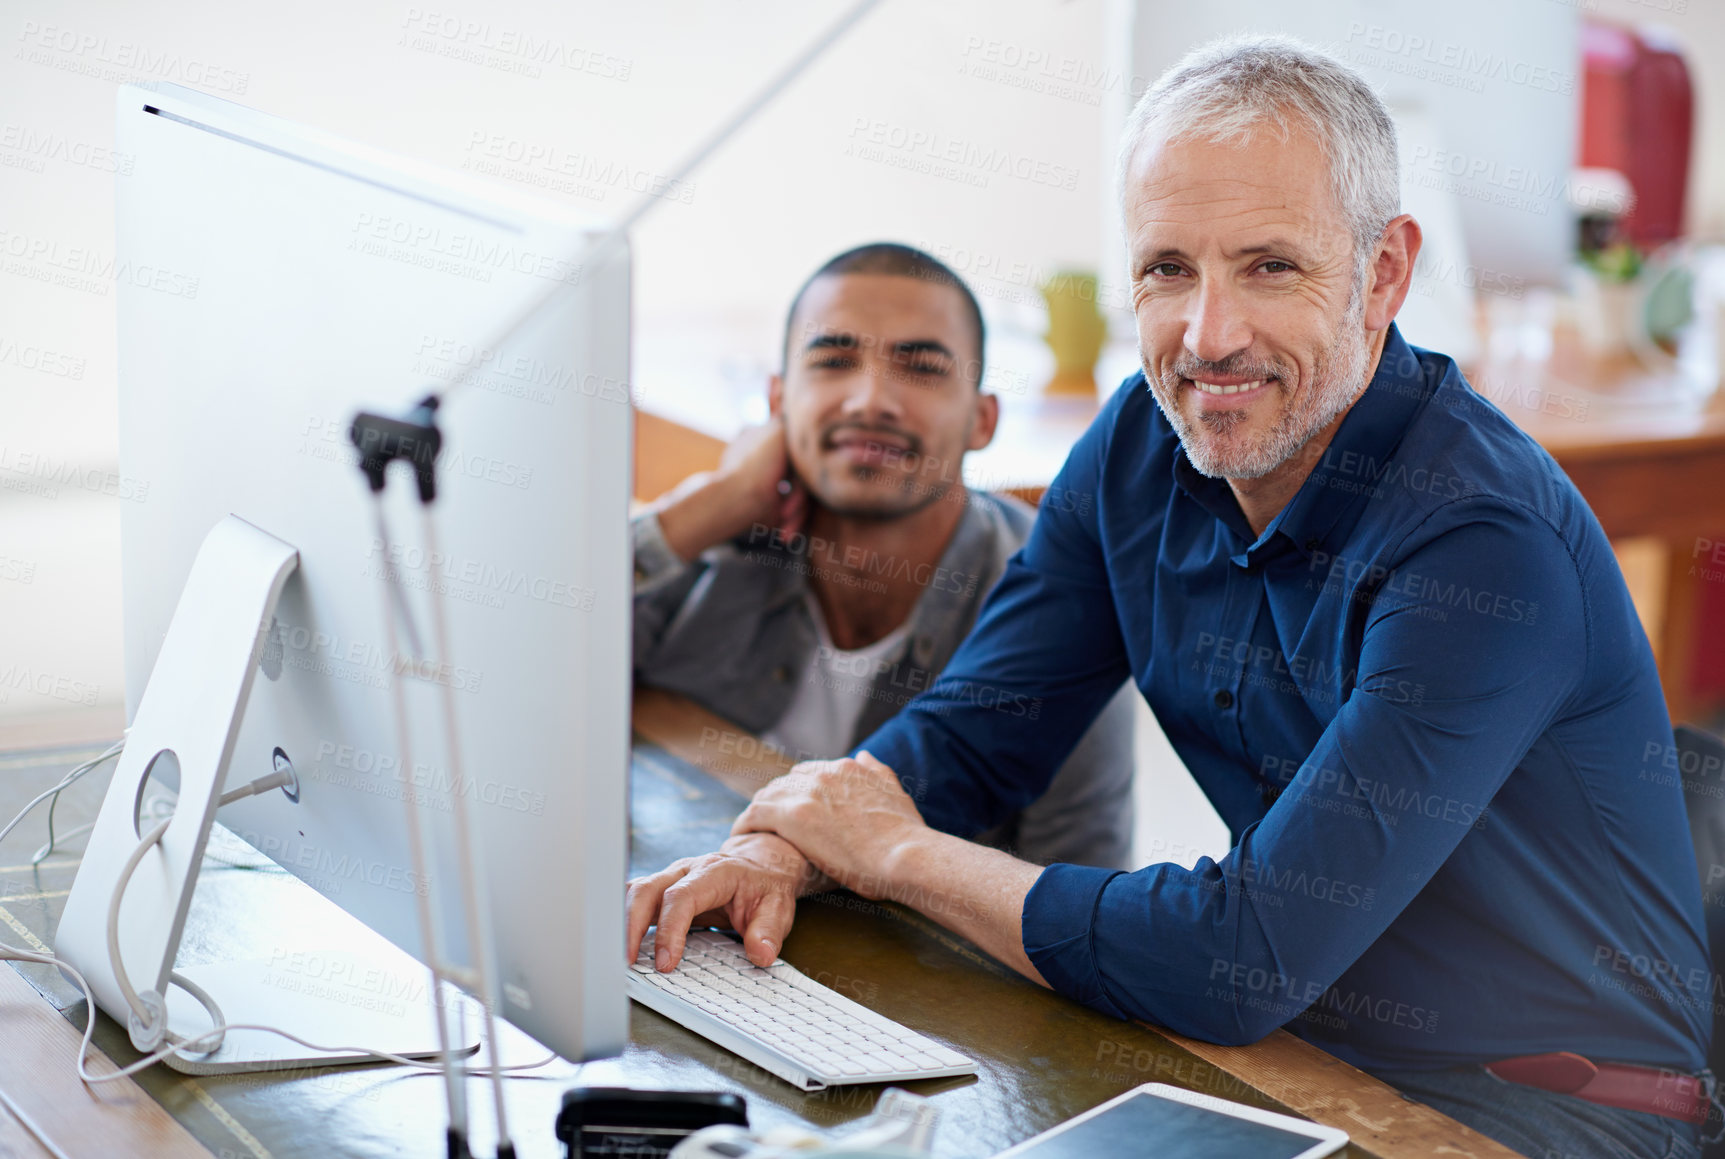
(698, 514)
(853, 821)
(972, 890)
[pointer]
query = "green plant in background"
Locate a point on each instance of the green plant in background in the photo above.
(1617, 262)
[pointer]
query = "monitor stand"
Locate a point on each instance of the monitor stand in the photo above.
(188, 722)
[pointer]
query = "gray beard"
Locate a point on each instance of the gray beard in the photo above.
(1337, 379)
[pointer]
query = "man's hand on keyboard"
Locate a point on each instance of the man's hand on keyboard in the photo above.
(853, 813)
(855, 823)
(752, 883)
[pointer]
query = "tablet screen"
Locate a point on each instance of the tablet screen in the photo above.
(1147, 1125)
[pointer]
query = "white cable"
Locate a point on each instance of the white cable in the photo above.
(62, 785)
(219, 1028)
(53, 842)
(185, 1047)
(455, 1093)
(483, 973)
(16, 954)
(469, 857)
(395, 598)
(52, 795)
(117, 962)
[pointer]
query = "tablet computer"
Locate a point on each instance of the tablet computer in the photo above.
(1169, 1123)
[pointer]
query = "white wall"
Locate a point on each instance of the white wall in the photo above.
(605, 96)
(1498, 81)
(1043, 83)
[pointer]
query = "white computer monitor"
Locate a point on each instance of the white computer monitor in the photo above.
(298, 280)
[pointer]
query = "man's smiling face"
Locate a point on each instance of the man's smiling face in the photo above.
(1248, 299)
(879, 394)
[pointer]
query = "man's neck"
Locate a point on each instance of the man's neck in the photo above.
(868, 574)
(1263, 498)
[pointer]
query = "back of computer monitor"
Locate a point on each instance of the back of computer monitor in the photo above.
(302, 279)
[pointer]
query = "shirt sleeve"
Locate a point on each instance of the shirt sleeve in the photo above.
(1475, 640)
(1043, 660)
(662, 582)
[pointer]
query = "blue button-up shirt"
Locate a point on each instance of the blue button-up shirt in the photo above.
(1423, 704)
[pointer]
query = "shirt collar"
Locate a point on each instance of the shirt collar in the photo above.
(965, 566)
(1343, 477)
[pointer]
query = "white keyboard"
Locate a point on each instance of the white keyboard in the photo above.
(784, 1021)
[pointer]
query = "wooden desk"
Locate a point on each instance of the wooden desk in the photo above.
(38, 1062)
(1043, 1059)
(1644, 450)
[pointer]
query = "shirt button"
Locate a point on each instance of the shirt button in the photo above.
(781, 674)
(1313, 544)
(1224, 699)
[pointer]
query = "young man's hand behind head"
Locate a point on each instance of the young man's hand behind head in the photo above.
(753, 487)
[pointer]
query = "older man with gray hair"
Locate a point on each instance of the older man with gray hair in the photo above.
(1379, 625)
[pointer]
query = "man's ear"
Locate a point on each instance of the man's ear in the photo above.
(775, 394)
(987, 418)
(1392, 271)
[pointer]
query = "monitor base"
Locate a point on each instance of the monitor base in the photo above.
(333, 998)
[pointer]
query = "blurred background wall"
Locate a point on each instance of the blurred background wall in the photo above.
(982, 130)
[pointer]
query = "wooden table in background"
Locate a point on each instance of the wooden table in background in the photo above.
(1649, 458)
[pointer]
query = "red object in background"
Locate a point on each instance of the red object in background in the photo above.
(1638, 117)
(1707, 676)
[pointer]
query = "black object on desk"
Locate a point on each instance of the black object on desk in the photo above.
(617, 1121)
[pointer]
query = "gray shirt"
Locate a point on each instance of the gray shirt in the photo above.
(733, 631)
